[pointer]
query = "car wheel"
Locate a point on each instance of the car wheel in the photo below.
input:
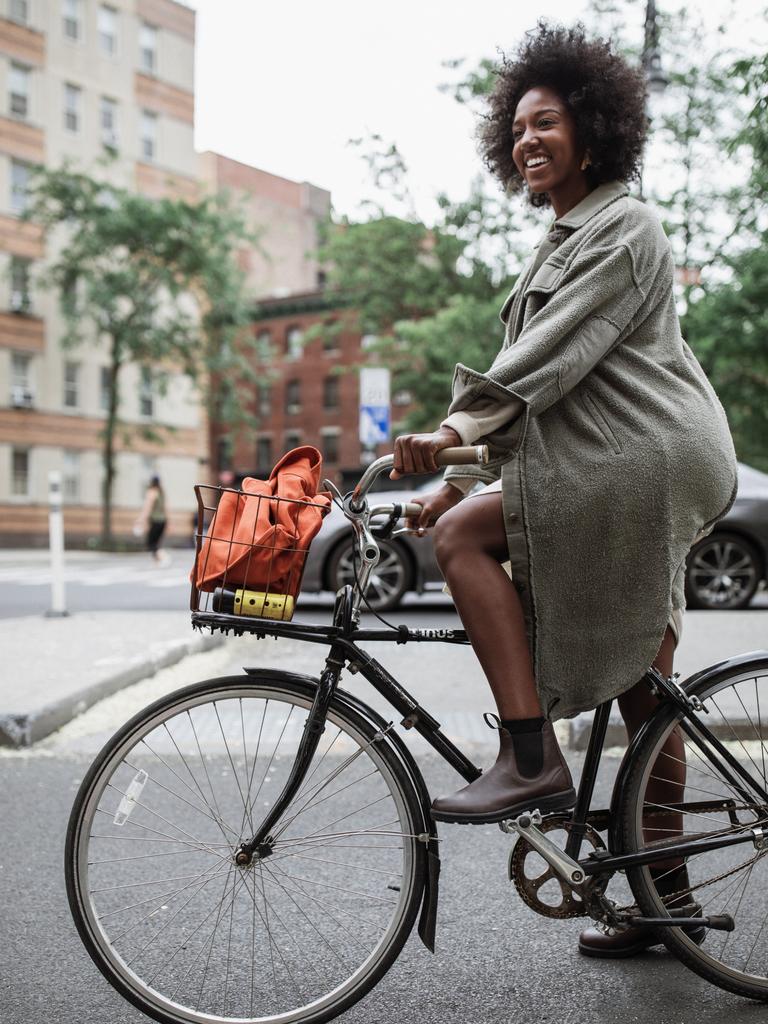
(723, 571)
(390, 579)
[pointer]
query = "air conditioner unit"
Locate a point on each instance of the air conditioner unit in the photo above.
(109, 138)
(19, 302)
(293, 409)
(22, 397)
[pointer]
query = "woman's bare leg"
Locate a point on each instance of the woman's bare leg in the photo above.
(667, 784)
(470, 545)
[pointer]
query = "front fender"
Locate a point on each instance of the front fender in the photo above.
(428, 916)
(700, 684)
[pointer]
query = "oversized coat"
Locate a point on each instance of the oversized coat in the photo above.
(613, 449)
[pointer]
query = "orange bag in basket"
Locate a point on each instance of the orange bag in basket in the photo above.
(261, 543)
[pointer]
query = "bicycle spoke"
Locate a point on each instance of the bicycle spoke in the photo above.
(202, 939)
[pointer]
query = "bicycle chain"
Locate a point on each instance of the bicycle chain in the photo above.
(670, 897)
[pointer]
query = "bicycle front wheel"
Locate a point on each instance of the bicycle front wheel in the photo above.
(298, 935)
(680, 784)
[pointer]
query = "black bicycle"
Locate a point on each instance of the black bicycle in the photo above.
(259, 847)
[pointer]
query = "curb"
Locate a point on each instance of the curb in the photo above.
(22, 729)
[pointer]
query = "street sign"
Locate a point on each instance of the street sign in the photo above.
(374, 406)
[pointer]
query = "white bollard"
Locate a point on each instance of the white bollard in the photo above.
(56, 541)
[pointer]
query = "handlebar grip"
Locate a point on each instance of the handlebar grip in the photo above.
(410, 508)
(469, 455)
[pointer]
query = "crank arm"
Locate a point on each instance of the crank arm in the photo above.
(718, 922)
(564, 866)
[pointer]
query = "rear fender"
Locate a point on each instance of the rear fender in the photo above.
(428, 916)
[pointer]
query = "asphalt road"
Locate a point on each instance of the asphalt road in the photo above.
(496, 960)
(97, 582)
(130, 582)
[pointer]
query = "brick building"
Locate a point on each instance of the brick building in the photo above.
(308, 391)
(77, 76)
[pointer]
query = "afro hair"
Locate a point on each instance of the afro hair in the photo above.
(605, 94)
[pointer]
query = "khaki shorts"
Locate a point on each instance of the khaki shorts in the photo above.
(675, 622)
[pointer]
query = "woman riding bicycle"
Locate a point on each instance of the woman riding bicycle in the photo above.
(611, 452)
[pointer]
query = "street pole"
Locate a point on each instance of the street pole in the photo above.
(58, 607)
(651, 61)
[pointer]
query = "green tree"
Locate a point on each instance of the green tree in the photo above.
(154, 281)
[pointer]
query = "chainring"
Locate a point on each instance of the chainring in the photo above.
(571, 903)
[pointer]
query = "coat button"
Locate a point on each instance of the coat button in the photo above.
(512, 517)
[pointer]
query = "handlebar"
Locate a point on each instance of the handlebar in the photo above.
(468, 455)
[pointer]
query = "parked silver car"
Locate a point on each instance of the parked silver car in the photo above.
(724, 570)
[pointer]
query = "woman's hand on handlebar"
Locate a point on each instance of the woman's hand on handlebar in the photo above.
(415, 453)
(433, 505)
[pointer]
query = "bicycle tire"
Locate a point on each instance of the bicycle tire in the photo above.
(719, 879)
(136, 746)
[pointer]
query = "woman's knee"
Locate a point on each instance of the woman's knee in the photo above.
(474, 527)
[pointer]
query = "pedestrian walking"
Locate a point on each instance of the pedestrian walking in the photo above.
(153, 520)
(611, 453)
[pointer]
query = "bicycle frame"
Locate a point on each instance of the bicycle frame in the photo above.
(343, 637)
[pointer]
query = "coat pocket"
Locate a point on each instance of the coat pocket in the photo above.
(598, 418)
(547, 277)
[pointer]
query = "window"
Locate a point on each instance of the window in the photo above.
(331, 338)
(19, 183)
(20, 472)
(107, 23)
(292, 439)
(264, 346)
(146, 393)
(72, 102)
(148, 135)
(331, 393)
(72, 22)
(264, 453)
(293, 397)
(18, 90)
(18, 10)
(329, 440)
(368, 341)
(148, 48)
(105, 388)
(108, 121)
(20, 298)
(71, 385)
(294, 342)
(224, 454)
(265, 398)
(22, 394)
(70, 476)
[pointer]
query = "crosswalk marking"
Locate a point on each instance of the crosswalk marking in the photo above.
(85, 576)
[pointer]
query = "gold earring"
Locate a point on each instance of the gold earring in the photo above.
(586, 162)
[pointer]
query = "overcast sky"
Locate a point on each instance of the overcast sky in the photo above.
(285, 86)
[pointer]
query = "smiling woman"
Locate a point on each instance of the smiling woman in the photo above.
(611, 453)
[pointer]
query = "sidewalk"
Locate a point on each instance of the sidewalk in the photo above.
(53, 669)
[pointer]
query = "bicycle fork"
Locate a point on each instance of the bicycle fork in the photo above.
(260, 845)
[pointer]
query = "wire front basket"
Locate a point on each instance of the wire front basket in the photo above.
(251, 548)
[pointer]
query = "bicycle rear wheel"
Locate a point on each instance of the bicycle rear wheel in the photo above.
(731, 880)
(299, 935)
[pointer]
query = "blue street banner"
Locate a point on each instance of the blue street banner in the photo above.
(375, 418)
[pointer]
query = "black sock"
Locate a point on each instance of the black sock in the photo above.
(528, 744)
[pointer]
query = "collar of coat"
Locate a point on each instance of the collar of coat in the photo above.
(596, 201)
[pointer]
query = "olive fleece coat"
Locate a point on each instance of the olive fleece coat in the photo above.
(613, 448)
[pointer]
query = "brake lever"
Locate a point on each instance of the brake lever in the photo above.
(418, 532)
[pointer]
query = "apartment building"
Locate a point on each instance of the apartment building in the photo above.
(309, 388)
(77, 76)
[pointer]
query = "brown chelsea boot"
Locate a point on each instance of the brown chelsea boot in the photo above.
(529, 772)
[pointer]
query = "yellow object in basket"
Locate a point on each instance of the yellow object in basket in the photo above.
(264, 606)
